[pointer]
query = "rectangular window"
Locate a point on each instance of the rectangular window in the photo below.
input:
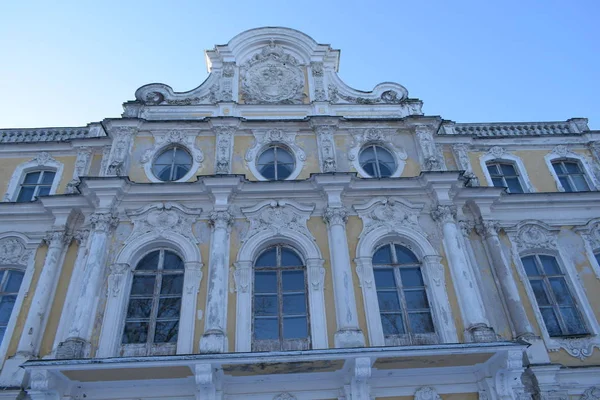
(505, 175)
(10, 282)
(557, 306)
(37, 183)
(571, 176)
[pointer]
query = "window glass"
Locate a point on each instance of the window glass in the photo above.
(376, 161)
(401, 293)
(555, 301)
(35, 184)
(10, 283)
(504, 174)
(172, 164)
(280, 304)
(275, 163)
(571, 176)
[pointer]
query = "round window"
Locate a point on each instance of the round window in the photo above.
(275, 163)
(377, 161)
(172, 164)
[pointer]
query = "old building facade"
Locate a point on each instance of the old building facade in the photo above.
(277, 234)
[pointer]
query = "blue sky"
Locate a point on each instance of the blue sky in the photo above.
(67, 63)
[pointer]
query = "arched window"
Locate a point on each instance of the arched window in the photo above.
(152, 320)
(571, 175)
(377, 161)
(280, 309)
(10, 282)
(275, 163)
(402, 296)
(505, 174)
(34, 184)
(557, 305)
(172, 164)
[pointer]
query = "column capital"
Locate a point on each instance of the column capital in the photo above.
(487, 228)
(220, 219)
(103, 221)
(466, 227)
(335, 216)
(57, 237)
(81, 235)
(444, 213)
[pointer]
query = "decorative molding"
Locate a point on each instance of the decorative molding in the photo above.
(284, 396)
(272, 77)
(162, 141)
(224, 148)
(266, 137)
(580, 348)
(590, 233)
(103, 221)
(105, 160)
(592, 393)
(570, 127)
(389, 96)
(427, 393)
(242, 275)
(13, 251)
(120, 150)
(388, 212)
(159, 219)
(318, 84)
(384, 137)
(327, 156)
(33, 135)
(57, 237)
(461, 155)
(316, 273)
(532, 235)
(82, 167)
(498, 153)
(42, 161)
(276, 216)
(335, 216)
(433, 159)
(561, 152)
(220, 219)
(444, 214)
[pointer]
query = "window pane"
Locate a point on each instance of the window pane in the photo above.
(268, 171)
(43, 191)
(508, 169)
(530, 267)
(172, 261)
(284, 157)
(392, 324)
(498, 182)
(267, 258)
(266, 328)
(383, 155)
(384, 278)
(182, 157)
(172, 284)
(1, 276)
(6, 305)
(384, 170)
(565, 184)
(573, 321)
(580, 183)
(265, 305)
(166, 332)
(48, 177)
(294, 304)
(369, 169)
(550, 265)
(165, 158)
(405, 256)
(551, 321)
(267, 157)
(180, 171)
(32, 177)
(284, 170)
(143, 284)
(411, 277)
(26, 194)
(383, 255)
(416, 299)
(164, 173)
(388, 301)
(289, 258)
(493, 169)
(169, 307)
(149, 262)
(293, 281)
(572, 168)
(135, 332)
(139, 308)
(265, 282)
(421, 322)
(558, 168)
(13, 282)
(514, 186)
(561, 291)
(2, 332)
(538, 289)
(367, 155)
(295, 327)
(597, 255)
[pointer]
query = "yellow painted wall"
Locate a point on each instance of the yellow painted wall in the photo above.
(67, 174)
(40, 256)
(449, 159)
(562, 357)
(202, 291)
(411, 168)
(59, 299)
(10, 164)
(537, 169)
(232, 299)
(241, 144)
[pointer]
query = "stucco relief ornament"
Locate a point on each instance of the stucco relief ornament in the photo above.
(561, 150)
(376, 135)
(532, 236)
(272, 76)
(427, 393)
(276, 216)
(389, 213)
(284, 396)
(12, 251)
(43, 158)
(581, 348)
(497, 151)
(592, 393)
(159, 219)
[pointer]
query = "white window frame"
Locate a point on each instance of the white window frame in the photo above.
(498, 154)
(379, 137)
(119, 288)
(162, 142)
(549, 245)
(561, 153)
(43, 161)
(25, 261)
(263, 139)
(258, 240)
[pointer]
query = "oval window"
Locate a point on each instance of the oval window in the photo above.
(275, 163)
(172, 164)
(376, 161)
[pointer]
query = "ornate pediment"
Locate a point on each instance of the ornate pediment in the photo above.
(388, 212)
(13, 252)
(535, 235)
(276, 216)
(160, 219)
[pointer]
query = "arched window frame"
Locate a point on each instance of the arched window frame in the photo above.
(380, 137)
(164, 141)
(119, 288)
(544, 241)
(499, 155)
(43, 161)
(22, 259)
(263, 139)
(259, 238)
(562, 153)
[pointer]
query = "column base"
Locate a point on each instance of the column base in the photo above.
(349, 338)
(480, 333)
(73, 348)
(12, 375)
(213, 342)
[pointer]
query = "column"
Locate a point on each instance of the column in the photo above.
(489, 231)
(476, 324)
(77, 344)
(348, 333)
(43, 296)
(214, 339)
